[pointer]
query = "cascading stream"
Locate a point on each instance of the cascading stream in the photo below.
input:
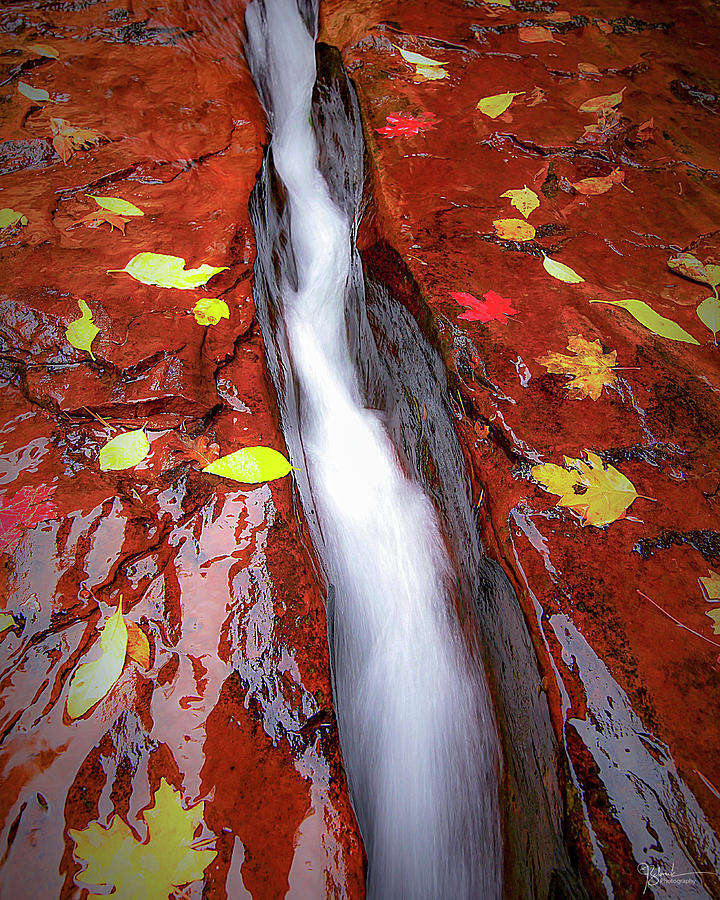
(413, 710)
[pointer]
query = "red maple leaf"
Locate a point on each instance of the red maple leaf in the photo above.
(494, 307)
(28, 507)
(399, 124)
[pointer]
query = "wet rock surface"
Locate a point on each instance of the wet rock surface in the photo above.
(616, 612)
(233, 707)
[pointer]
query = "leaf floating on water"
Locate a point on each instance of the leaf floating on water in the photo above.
(44, 50)
(495, 307)
(604, 102)
(431, 73)
(67, 138)
(29, 506)
(168, 271)
(590, 368)
(82, 332)
(209, 311)
(117, 206)
(561, 271)
(154, 869)
(138, 646)
(524, 201)
(403, 124)
(124, 451)
(709, 314)
(595, 490)
(10, 217)
(93, 680)
(27, 90)
(514, 229)
(652, 320)
(251, 465)
(496, 105)
(711, 585)
(599, 185)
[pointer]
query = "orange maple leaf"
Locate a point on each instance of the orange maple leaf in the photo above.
(67, 138)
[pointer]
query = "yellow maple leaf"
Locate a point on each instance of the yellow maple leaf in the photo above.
(590, 368)
(115, 858)
(711, 585)
(595, 490)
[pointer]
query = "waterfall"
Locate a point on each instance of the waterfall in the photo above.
(414, 715)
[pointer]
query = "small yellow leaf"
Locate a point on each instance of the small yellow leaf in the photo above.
(496, 105)
(82, 332)
(92, 681)
(251, 465)
(652, 320)
(595, 490)
(168, 271)
(209, 311)
(117, 206)
(711, 584)
(497, 2)
(605, 101)
(124, 451)
(590, 368)
(44, 50)
(709, 314)
(10, 217)
(714, 614)
(561, 271)
(524, 201)
(431, 73)
(6, 621)
(514, 229)
(417, 59)
(27, 90)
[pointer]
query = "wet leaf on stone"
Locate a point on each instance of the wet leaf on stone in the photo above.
(594, 490)
(417, 59)
(590, 368)
(168, 271)
(29, 506)
(114, 858)
(534, 34)
(93, 680)
(117, 206)
(124, 451)
(251, 465)
(37, 94)
(524, 200)
(6, 621)
(138, 646)
(711, 585)
(44, 50)
(600, 184)
(68, 139)
(652, 320)
(497, 2)
(561, 271)
(714, 614)
(496, 105)
(82, 332)
(588, 69)
(709, 314)
(209, 311)
(494, 307)
(603, 103)
(403, 124)
(10, 217)
(689, 266)
(514, 229)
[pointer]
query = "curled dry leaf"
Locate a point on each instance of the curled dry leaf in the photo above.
(168, 271)
(209, 311)
(251, 465)
(594, 490)
(93, 680)
(652, 320)
(496, 105)
(590, 369)
(124, 451)
(494, 307)
(68, 139)
(591, 187)
(82, 332)
(514, 229)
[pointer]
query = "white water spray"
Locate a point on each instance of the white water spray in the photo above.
(416, 727)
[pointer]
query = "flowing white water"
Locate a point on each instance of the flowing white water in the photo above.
(416, 727)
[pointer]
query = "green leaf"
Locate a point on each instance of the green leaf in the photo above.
(6, 621)
(27, 90)
(652, 320)
(124, 451)
(709, 314)
(168, 271)
(10, 217)
(92, 680)
(82, 332)
(117, 206)
(209, 311)
(561, 271)
(497, 104)
(251, 465)
(714, 274)
(417, 59)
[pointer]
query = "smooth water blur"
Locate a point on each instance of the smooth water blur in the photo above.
(416, 727)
